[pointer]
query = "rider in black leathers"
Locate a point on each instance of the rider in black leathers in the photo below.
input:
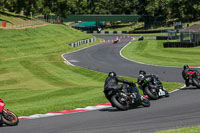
(112, 82)
(142, 76)
(186, 68)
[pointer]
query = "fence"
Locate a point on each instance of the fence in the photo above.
(180, 44)
(21, 23)
(167, 37)
(126, 32)
(76, 44)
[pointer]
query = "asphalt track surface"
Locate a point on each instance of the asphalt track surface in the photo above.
(181, 109)
(105, 58)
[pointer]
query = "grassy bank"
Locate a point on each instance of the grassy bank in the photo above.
(34, 78)
(194, 129)
(153, 52)
(17, 21)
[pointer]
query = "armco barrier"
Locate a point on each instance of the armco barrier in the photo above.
(110, 32)
(180, 44)
(114, 32)
(119, 32)
(167, 37)
(76, 44)
(127, 32)
(161, 37)
(150, 31)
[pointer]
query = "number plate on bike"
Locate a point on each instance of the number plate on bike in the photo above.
(161, 93)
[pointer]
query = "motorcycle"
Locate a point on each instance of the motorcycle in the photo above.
(194, 77)
(116, 41)
(7, 117)
(152, 87)
(124, 100)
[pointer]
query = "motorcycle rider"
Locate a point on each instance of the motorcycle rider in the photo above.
(112, 82)
(142, 76)
(186, 68)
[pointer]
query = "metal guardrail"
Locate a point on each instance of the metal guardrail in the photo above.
(126, 32)
(76, 44)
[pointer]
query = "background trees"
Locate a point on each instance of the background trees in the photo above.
(182, 10)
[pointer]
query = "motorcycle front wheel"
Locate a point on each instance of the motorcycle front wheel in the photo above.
(166, 93)
(152, 95)
(10, 118)
(196, 82)
(119, 104)
(145, 102)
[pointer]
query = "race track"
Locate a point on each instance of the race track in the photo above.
(105, 58)
(181, 109)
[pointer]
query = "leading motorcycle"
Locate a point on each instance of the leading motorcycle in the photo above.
(124, 100)
(192, 78)
(7, 117)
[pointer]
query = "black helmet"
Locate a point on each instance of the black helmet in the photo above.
(185, 67)
(112, 74)
(142, 72)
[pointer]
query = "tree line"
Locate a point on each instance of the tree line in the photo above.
(182, 10)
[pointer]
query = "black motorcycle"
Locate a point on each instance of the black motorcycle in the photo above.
(124, 100)
(152, 87)
(116, 41)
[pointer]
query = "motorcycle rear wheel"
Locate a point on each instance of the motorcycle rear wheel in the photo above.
(120, 106)
(150, 94)
(9, 122)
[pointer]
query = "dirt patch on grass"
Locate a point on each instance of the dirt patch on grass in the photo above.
(31, 26)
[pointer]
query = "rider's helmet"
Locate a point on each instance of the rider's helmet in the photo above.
(112, 74)
(185, 67)
(142, 72)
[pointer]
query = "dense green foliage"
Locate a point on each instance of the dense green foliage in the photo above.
(153, 52)
(170, 9)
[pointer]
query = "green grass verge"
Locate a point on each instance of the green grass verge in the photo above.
(153, 52)
(34, 78)
(194, 129)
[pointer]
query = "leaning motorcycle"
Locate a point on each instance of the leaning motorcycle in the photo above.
(152, 87)
(194, 77)
(7, 117)
(116, 41)
(123, 100)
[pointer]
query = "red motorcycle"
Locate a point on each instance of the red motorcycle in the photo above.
(7, 117)
(194, 77)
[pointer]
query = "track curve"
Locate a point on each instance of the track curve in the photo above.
(181, 109)
(105, 57)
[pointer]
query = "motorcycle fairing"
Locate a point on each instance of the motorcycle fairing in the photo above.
(2, 104)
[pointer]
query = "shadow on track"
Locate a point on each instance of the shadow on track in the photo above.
(113, 109)
(190, 88)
